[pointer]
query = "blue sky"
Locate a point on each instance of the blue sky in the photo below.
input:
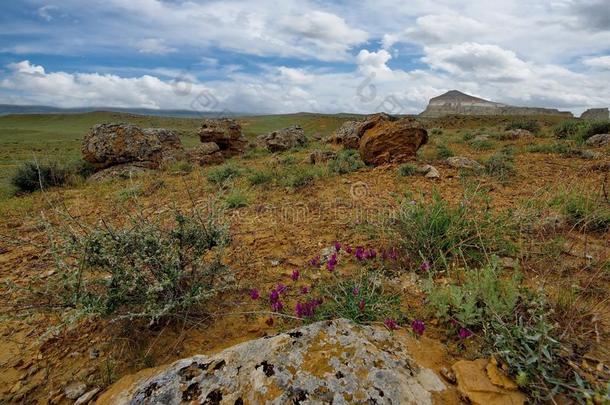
(267, 56)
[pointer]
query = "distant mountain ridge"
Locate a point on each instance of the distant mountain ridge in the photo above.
(455, 102)
(6, 109)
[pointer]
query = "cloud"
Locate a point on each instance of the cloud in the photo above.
(154, 46)
(46, 12)
(601, 62)
(594, 15)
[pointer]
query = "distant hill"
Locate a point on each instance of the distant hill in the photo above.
(6, 109)
(455, 102)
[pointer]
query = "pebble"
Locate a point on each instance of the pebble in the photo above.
(75, 390)
(85, 398)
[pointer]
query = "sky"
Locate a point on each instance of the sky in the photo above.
(283, 56)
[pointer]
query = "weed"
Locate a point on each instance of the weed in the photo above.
(129, 193)
(260, 177)
(593, 128)
(237, 198)
(300, 176)
(501, 166)
(407, 170)
(481, 144)
(443, 152)
(144, 270)
(527, 124)
(584, 210)
(437, 231)
(33, 176)
(222, 174)
(436, 131)
(181, 167)
(559, 148)
(567, 129)
(347, 161)
(468, 136)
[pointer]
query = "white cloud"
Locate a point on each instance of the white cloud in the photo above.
(154, 46)
(373, 62)
(601, 62)
(46, 12)
(26, 68)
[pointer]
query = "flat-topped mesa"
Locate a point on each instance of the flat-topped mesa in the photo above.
(455, 102)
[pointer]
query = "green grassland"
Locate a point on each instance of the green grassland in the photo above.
(58, 137)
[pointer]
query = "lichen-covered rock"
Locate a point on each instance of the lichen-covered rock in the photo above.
(599, 140)
(326, 362)
(462, 162)
(348, 135)
(112, 144)
(514, 134)
(321, 156)
(205, 153)
(224, 132)
(123, 171)
(171, 145)
(390, 140)
(283, 139)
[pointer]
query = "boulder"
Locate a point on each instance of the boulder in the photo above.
(462, 162)
(112, 144)
(122, 171)
(321, 363)
(205, 153)
(224, 132)
(514, 134)
(390, 140)
(171, 145)
(321, 156)
(482, 383)
(598, 140)
(347, 135)
(283, 139)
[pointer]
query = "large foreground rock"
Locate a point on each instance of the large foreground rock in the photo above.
(326, 362)
(224, 132)
(598, 140)
(283, 139)
(390, 140)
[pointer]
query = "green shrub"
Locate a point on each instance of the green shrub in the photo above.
(299, 176)
(436, 131)
(236, 199)
(481, 144)
(501, 165)
(516, 328)
(260, 177)
(593, 128)
(256, 152)
(584, 210)
(129, 193)
(181, 167)
(443, 152)
(347, 161)
(144, 270)
(558, 148)
(407, 170)
(528, 124)
(436, 231)
(567, 129)
(33, 176)
(468, 136)
(222, 174)
(362, 298)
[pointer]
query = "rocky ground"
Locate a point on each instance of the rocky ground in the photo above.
(50, 353)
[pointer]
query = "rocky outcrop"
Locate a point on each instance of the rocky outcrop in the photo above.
(596, 114)
(283, 139)
(205, 153)
(457, 103)
(108, 145)
(599, 140)
(387, 139)
(224, 132)
(326, 362)
(347, 135)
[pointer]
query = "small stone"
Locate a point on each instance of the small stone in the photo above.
(75, 390)
(448, 375)
(462, 162)
(85, 398)
(94, 353)
(431, 172)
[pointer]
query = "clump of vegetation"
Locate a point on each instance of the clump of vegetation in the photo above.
(501, 165)
(347, 161)
(558, 148)
(568, 129)
(468, 136)
(436, 131)
(516, 329)
(34, 176)
(300, 176)
(222, 174)
(181, 167)
(444, 152)
(527, 124)
(145, 270)
(407, 170)
(584, 210)
(593, 128)
(237, 198)
(437, 232)
(260, 177)
(129, 193)
(481, 144)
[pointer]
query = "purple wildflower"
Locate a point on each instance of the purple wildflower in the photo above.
(361, 305)
(390, 324)
(274, 296)
(356, 291)
(425, 266)
(254, 294)
(280, 288)
(370, 254)
(464, 333)
(337, 246)
(359, 253)
(277, 306)
(393, 254)
(269, 321)
(306, 309)
(348, 250)
(304, 290)
(418, 327)
(315, 261)
(295, 275)
(332, 262)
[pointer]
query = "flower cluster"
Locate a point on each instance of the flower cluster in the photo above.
(275, 297)
(307, 309)
(418, 327)
(391, 324)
